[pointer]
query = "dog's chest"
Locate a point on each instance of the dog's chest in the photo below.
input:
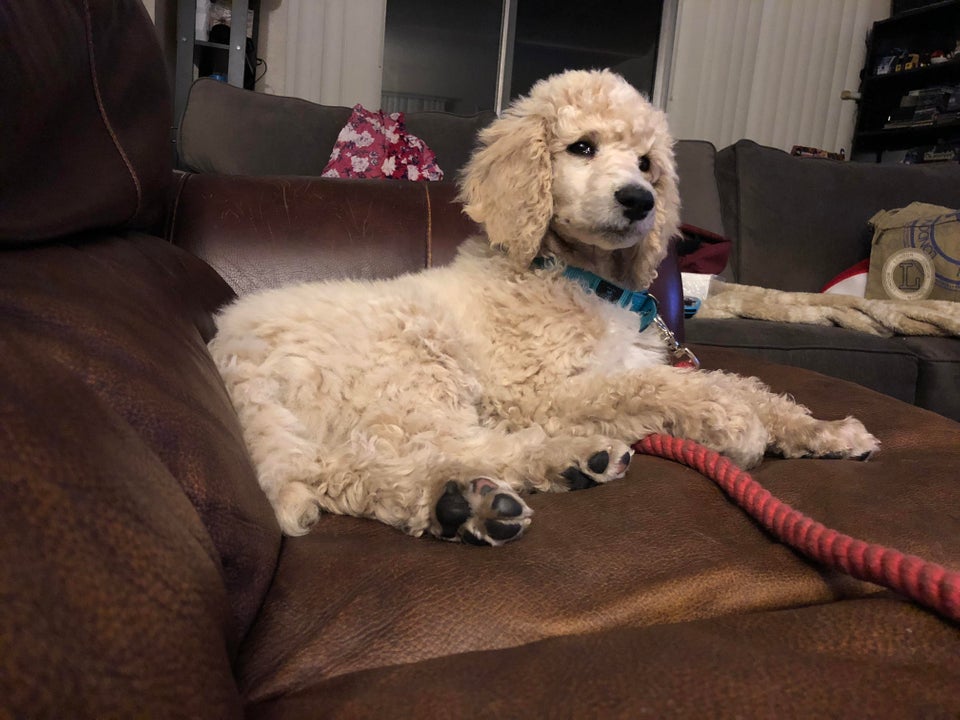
(622, 347)
(565, 331)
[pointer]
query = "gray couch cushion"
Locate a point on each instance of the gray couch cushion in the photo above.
(887, 365)
(231, 131)
(700, 200)
(938, 373)
(450, 136)
(797, 222)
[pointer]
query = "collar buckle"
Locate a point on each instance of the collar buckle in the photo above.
(682, 356)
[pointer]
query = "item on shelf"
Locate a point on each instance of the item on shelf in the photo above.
(924, 106)
(887, 63)
(809, 152)
(202, 28)
(907, 61)
(937, 96)
(221, 12)
(941, 152)
(951, 109)
(899, 60)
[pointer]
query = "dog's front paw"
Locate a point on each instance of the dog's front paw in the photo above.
(480, 511)
(830, 440)
(598, 466)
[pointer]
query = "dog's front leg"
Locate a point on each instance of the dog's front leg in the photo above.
(739, 417)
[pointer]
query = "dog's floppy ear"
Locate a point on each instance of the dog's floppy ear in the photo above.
(506, 187)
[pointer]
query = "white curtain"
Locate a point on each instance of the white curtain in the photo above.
(769, 70)
(326, 51)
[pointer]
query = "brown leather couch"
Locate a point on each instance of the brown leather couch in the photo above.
(142, 573)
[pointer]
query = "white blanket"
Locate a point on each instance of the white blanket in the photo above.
(877, 317)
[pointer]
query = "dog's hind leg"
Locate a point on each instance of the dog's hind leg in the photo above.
(286, 463)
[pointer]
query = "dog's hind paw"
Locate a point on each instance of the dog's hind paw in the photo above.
(296, 509)
(600, 467)
(480, 511)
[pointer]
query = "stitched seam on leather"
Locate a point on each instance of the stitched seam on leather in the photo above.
(103, 111)
(426, 191)
(175, 210)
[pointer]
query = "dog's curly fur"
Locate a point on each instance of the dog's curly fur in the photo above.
(430, 400)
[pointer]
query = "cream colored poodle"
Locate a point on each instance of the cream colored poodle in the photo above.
(431, 400)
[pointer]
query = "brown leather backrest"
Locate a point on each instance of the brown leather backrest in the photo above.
(84, 120)
(261, 232)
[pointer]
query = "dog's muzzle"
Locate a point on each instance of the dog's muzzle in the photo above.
(636, 200)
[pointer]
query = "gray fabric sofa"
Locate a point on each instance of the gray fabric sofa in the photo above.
(231, 131)
(795, 222)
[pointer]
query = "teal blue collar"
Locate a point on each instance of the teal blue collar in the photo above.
(642, 303)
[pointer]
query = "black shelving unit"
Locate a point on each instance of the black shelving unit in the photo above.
(188, 47)
(882, 126)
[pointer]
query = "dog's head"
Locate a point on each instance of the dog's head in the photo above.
(582, 167)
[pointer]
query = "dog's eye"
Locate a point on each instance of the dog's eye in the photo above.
(644, 164)
(584, 148)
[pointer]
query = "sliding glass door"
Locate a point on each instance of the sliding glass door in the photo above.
(552, 36)
(465, 56)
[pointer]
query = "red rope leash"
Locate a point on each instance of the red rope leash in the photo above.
(924, 582)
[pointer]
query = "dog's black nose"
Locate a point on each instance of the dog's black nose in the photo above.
(637, 201)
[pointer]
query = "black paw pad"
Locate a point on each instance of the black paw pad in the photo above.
(577, 479)
(452, 509)
(625, 460)
(598, 462)
(502, 531)
(506, 506)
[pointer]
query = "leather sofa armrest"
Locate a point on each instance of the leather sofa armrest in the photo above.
(261, 232)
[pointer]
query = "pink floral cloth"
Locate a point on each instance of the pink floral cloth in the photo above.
(373, 144)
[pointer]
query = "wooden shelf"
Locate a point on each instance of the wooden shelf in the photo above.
(928, 73)
(921, 30)
(216, 46)
(188, 47)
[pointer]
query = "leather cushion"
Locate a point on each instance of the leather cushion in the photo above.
(85, 119)
(863, 658)
(121, 409)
